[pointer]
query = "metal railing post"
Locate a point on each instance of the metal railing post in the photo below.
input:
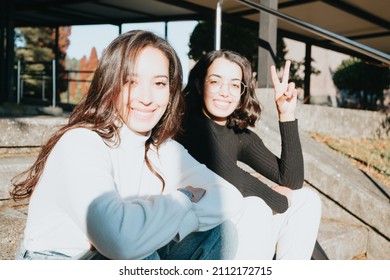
(43, 86)
(218, 23)
(18, 85)
(54, 83)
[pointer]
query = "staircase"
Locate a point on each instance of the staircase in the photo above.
(20, 139)
(355, 210)
(355, 214)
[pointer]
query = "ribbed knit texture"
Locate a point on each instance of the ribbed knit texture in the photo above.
(220, 147)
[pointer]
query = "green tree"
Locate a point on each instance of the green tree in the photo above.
(362, 81)
(35, 48)
(245, 41)
(202, 40)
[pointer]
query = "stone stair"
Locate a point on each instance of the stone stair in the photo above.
(355, 210)
(355, 216)
(10, 166)
(20, 139)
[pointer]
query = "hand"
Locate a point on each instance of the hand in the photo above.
(285, 94)
(287, 192)
(197, 192)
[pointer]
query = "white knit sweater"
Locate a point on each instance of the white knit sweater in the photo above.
(92, 193)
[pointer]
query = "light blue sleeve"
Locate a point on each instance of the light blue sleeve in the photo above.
(119, 228)
(221, 201)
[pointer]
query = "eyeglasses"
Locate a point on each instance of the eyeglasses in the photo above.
(215, 84)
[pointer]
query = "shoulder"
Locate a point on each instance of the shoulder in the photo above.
(244, 133)
(195, 130)
(195, 122)
(172, 152)
(171, 147)
(80, 140)
(81, 136)
(247, 136)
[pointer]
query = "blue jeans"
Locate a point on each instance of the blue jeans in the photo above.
(219, 243)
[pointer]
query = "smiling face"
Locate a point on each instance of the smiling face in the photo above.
(219, 104)
(149, 91)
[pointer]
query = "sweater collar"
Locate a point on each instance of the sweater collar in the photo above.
(131, 139)
(217, 128)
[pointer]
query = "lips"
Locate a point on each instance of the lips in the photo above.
(142, 114)
(221, 104)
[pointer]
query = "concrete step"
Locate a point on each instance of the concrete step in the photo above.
(342, 241)
(331, 174)
(341, 236)
(12, 222)
(28, 132)
(342, 184)
(10, 167)
(343, 195)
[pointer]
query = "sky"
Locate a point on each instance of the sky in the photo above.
(84, 37)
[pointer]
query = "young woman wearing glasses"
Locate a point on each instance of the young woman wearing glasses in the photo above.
(281, 220)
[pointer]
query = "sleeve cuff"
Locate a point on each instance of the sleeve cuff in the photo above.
(189, 224)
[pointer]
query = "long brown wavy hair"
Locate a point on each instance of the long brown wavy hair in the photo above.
(248, 110)
(99, 111)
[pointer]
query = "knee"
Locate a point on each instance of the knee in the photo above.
(257, 206)
(309, 199)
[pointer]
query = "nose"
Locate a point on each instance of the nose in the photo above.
(143, 94)
(224, 90)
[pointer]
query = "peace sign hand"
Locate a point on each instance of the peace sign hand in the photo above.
(285, 94)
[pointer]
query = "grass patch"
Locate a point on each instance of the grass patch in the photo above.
(370, 155)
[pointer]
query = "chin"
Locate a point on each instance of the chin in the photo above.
(222, 113)
(141, 129)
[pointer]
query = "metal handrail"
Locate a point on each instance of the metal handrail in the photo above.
(336, 38)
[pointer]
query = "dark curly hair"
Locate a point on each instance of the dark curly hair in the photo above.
(248, 110)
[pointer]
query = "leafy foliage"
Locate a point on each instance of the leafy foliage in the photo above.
(363, 82)
(35, 48)
(243, 40)
(233, 37)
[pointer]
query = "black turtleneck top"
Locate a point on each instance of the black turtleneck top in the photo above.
(220, 147)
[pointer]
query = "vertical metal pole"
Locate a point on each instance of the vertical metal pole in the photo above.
(268, 26)
(43, 86)
(54, 83)
(166, 30)
(67, 86)
(9, 51)
(3, 43)
(218, 23)
(18, 85)
(307, 73)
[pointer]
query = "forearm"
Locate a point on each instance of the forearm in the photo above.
(221, 200)
(135, 229)
(249, 185)
(291, 163)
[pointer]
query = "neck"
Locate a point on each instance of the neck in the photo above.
(218, 120)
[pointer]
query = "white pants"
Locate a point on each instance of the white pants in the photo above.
(291, 235)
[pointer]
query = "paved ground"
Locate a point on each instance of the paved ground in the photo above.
(350, 191)
(12, 220)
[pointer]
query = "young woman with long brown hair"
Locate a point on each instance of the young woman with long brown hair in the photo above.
(113, 180)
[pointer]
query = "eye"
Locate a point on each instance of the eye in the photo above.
(161, 83)
(133, 82)
(236, 84)
(214, 81)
